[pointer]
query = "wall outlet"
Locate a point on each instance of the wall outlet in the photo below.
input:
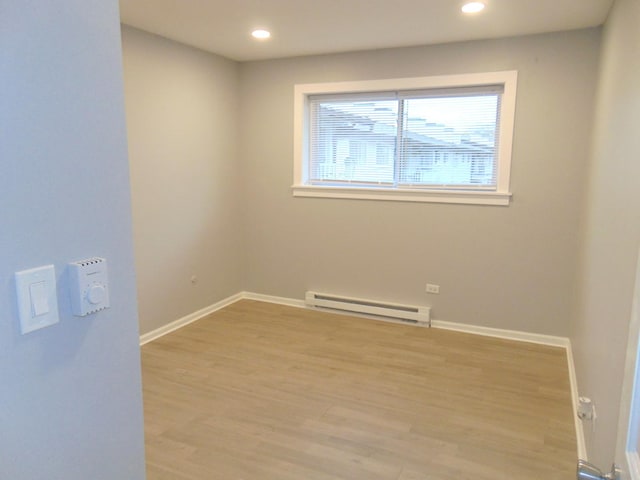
(431, 288)
(586, 409)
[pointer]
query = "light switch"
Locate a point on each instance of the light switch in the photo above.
(37, 298)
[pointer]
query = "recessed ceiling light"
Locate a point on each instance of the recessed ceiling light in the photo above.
(261, 34)
(473, 7)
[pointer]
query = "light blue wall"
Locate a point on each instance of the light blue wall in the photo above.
(70, 396)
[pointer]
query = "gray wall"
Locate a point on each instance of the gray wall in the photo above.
(182, 122)
(612, 228)
(70, 396)
(505, 267)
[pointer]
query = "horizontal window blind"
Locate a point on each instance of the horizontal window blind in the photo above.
(440, 138)
(353, 141)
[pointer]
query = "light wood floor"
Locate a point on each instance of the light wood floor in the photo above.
(261, 391)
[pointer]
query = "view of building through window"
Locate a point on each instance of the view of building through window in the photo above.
(422, 141)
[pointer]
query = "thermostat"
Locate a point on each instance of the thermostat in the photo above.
(89, 286)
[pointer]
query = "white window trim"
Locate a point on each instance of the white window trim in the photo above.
(501, 196)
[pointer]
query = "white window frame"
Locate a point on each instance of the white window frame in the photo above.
(501, 195)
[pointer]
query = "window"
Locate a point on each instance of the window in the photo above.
(434, 139)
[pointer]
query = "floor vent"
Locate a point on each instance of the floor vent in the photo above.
(409, 313)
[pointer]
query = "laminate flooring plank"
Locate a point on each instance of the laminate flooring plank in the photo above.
(270, 392)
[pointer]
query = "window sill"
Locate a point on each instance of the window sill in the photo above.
(404, 195)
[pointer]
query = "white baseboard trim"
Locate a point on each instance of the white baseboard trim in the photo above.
(459, 327)
(550, 340)
(501, 333)
(291, 302)
(573, 380)
(186, 320)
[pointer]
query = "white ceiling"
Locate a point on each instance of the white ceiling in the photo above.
(304, 27)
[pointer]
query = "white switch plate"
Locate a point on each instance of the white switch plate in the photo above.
(37, 298)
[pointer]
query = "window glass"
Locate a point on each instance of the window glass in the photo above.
(428, 141)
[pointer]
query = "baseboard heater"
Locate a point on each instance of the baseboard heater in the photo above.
(408, 313)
